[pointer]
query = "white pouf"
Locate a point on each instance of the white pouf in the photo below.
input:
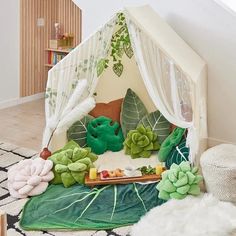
(219, 171)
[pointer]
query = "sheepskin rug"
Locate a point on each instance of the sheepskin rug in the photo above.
(193, 216)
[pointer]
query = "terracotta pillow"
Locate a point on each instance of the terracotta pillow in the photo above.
(110, 110)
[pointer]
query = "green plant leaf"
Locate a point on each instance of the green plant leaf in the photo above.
(102, 64)
(128, 50)
(78, 131)
(118, 69)
(158, 123)
(132, 111)
(80, 207)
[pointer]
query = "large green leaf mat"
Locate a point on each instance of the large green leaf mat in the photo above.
(79, 207)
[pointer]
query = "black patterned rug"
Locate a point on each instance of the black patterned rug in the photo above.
(10, 155)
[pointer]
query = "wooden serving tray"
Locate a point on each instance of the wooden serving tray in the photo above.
(124, 180)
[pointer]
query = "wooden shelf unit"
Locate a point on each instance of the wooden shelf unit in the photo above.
(51, 51)
(63, 50)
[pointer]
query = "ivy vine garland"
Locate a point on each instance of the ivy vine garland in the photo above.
(120, 44)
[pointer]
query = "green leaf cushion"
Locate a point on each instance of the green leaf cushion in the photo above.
(178, 154)
(132, 111)
(169, 143)
(78, 131)
(71, 165)
(103, 134)
(141, 142)
(83, 208)
(158, 123)
(179, 181)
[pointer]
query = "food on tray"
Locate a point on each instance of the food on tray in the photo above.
(132, 172)
(112, 173)
(105, 174)
(119, 173)
(159, 169)
(147, 170)
(93, 173)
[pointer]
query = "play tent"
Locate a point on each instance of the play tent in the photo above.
(135, 49)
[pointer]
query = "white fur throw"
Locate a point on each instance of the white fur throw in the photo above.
(193, 216)
(29, 177)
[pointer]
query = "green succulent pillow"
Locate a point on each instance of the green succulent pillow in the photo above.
(141, 142)
(178, 154)
(132, 111)
(179, 181)
(78, 131)
(103, 134)
(71, 163)
(158, 123)
(169, 143)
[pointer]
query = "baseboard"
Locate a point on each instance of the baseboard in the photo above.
(17, 101)
(214, 141)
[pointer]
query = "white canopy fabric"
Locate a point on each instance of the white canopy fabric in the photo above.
(173, 74)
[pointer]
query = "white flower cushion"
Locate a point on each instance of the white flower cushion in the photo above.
(29, 177)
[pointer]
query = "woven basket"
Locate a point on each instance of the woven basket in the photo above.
(219, 171)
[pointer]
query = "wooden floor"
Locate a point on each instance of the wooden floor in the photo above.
(23, 125)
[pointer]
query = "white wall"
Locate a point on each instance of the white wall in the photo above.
(9, 48)
(210, 30)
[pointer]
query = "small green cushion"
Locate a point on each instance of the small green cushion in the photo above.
(141, 142)
(179, 181)
(169, 143)
(71, 163)
(103, 134)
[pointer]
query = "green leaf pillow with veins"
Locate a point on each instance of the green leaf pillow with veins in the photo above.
(132, 111)
(178, 154)
(78, 131)
(158, 123)
(169, 143)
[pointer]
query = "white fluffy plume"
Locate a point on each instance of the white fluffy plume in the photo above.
(77, 113)
(75, 109)
(76, 97)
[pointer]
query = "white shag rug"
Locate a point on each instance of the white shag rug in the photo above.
(193, 216)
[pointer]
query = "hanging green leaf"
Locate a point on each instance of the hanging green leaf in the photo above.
(102, 64)
(128, 50)
(118, 68)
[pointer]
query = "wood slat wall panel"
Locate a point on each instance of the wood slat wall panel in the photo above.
(34, 39)
(69, 15)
